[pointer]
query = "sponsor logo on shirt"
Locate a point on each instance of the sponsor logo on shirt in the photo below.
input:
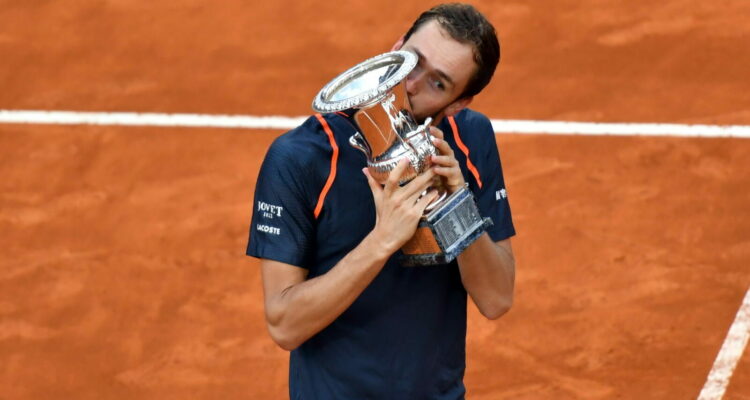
(501, 194)
(268, 229)
(269, 210)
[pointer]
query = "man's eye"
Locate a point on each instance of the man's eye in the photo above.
(438, 84)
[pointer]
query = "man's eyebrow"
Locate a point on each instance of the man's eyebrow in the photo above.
(445, 77)
(442, 74)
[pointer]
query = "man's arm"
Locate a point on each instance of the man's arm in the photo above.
(488, 273)
(296, 308)
(487, 268)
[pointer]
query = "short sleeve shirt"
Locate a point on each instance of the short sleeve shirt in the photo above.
(404, 337)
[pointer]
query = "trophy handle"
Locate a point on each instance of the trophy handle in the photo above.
(358, 141)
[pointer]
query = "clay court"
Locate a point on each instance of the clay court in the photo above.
(122, 271)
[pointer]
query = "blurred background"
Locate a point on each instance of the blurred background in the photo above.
(122, 270)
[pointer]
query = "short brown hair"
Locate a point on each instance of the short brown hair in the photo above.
(466, 24)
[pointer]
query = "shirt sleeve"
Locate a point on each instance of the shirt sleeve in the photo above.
(492, 196)
(282, 226)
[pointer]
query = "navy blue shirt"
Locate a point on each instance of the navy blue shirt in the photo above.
(405, 335)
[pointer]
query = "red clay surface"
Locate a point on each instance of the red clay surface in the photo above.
(122, 273)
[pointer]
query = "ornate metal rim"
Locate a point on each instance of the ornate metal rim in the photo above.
(407, 61)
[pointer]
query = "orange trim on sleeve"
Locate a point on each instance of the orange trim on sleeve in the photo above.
(465, 150)
(334, 159)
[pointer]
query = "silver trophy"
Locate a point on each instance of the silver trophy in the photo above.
(387, 133)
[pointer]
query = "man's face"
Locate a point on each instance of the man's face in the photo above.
(443, 71)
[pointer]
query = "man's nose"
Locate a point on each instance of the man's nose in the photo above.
(412, 83)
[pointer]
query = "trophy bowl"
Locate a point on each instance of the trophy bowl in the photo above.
(388, 132)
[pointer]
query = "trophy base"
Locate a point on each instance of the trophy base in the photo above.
(445, 232)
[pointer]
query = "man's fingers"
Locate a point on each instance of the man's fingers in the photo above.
(436, 132)
(374, 185)
(411, 190)
(425, 177)
(426, 200)
(395, 176)
(443, 147)
(444, 161)
(417, 186)
(446, 165)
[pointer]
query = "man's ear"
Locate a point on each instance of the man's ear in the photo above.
(457, 106)
(398, 44)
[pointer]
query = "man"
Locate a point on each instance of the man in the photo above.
(358, 324)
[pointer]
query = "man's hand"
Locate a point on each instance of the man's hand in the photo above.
(445, 163)
(398, 208)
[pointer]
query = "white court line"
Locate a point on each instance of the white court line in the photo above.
(147, 119)
(280, 122)
(729, 355)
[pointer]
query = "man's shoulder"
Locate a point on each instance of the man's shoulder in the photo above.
(307, 141)
(474, 128)
(307, 132)
(472, 118)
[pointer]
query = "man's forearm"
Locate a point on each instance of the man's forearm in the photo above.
(488, 274)
(303, 309)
